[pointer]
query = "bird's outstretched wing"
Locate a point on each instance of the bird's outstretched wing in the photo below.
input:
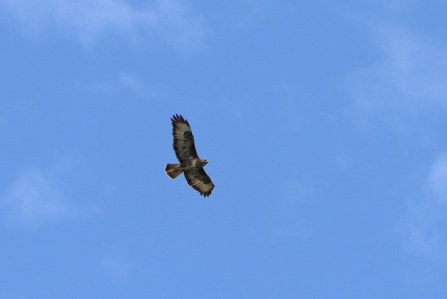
(200, 181)
(183, 144)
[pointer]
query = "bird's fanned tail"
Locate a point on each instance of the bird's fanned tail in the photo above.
(173, 170)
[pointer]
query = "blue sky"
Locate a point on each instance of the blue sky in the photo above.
(324, 123)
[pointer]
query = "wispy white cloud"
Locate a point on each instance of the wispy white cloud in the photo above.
(420, 229)
(86, 20)
(437, 179)
(425, 222)
(40, 196)
(34, 198)
(409, 75)
(406, 83)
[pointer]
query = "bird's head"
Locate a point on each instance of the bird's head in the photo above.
(204, 162)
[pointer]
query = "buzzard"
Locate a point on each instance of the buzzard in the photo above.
(190, 163)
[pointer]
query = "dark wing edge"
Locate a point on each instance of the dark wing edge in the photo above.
(183, 142)
(199, 181)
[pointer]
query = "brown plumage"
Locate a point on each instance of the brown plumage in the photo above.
(189, 162)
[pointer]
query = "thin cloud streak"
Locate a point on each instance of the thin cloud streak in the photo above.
(410, 75)
(415, 67)
(86, 20)
(39, 196)
(424, 224)
(437, 179)
(34, 198)
(409, 80)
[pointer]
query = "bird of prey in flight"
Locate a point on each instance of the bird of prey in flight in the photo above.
(189, 162)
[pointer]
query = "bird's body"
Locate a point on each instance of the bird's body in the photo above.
(189, 162)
